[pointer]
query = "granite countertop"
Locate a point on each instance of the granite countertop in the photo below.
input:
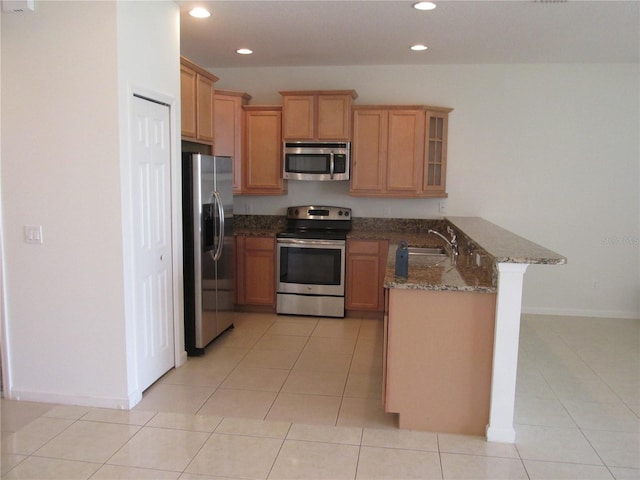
(433, 273)
(258, 225)
(255, 232)
(437, 273)
(482, 245)
(504, 246)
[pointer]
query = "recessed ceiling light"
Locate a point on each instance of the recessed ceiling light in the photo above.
(424, 6)
(199, 12)
(418, 48)
(244, 51)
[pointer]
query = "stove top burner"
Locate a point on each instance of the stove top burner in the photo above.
(319, 213)
(317, 222)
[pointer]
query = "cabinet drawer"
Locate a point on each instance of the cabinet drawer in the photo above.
(259, 243)
(366, 247)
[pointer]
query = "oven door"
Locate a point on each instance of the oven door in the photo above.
(310, 267)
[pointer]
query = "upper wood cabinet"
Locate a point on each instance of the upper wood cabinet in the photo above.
(197, 102)
(435, 167)
(317, 115)
(227, 129)
(262, 151)
(399, 151)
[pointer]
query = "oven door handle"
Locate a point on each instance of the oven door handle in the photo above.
(307, 242)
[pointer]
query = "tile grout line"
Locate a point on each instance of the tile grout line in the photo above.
(233, 369)
(275, 399)
(184, 470)
(275, 459)
(346, 381)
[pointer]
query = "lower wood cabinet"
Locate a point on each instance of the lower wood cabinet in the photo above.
(438, 359)
(365, 269)
(255, 274)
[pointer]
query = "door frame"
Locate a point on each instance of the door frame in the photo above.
(180, 354)
(4, 346)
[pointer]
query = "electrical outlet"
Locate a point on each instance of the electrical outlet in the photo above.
(17, 6)
(386, 212)
(33, 234)
(442, 206)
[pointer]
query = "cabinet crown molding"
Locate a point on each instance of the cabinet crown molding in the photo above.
(352, 93)
(256, 108)
(233, 93)
(429, 108)
(197, 68)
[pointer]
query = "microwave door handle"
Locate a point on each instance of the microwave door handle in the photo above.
(331, 165)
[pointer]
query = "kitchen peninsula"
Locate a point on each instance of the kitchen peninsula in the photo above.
(451, 331)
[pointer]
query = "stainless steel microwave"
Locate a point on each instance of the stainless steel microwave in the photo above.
(316, 160)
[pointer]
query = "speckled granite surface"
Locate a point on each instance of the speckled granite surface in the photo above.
(437, 273)
(258, 225)
(481, 244)
(467, 275)
(504, 246)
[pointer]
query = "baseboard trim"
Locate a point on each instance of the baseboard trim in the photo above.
(575, 312)
(85, 401)
(501, 435)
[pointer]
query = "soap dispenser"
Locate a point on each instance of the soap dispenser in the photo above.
(402, 259)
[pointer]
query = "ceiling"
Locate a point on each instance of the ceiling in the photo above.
(363, 32)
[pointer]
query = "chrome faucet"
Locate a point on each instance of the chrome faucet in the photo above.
(453, 243)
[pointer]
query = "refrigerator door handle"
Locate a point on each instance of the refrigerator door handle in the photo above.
(216, 256)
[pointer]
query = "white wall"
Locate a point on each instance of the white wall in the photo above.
(60, 170)
(149, 65)
(63, 141)
(550, 152)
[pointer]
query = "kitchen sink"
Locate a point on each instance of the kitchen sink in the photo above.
(427, 251)
(428, 256)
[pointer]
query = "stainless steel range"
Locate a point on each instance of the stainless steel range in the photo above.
(311, 261)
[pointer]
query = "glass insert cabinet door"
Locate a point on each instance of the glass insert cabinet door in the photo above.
(434, 176)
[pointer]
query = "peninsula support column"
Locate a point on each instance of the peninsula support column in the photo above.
(505, 352)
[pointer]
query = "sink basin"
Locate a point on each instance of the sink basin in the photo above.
(427, 256)
(427, 251)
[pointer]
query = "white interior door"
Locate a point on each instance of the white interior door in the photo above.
(151, 185)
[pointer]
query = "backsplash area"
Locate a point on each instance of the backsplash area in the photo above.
(372, 224)
(337, 194)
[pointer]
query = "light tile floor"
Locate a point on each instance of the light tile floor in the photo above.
(295, 397)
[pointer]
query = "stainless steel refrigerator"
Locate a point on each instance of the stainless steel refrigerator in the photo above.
(209, 257)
